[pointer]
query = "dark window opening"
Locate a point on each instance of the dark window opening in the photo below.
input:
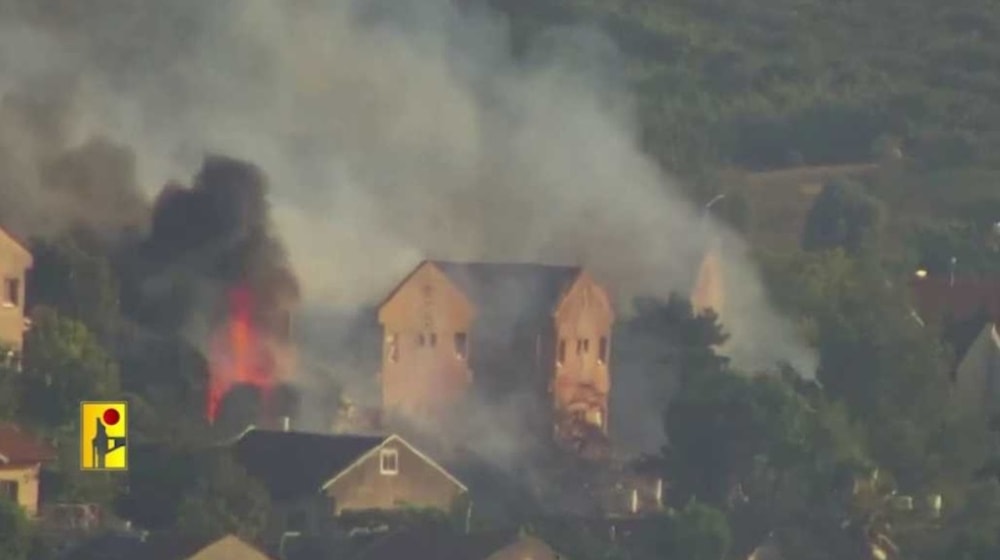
(562, 352)
(11, 291)
(602, 350)
(433, 339)
(9, 489)
(586, 345)
(461, 345)
(389, 461)
(421, 340)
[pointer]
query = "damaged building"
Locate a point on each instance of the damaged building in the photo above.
(458, 332)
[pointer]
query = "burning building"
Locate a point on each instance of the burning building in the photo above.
(459, 331)
(212, 266)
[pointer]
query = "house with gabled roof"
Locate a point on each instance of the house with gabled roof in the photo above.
(312, 478)
(15, 262)
(454, 330)
(22, 456)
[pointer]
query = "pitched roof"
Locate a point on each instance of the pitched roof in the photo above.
(19, 447)
(937, 298)
(296, 464)
(5, 234)
(511, 289)
(439, 543)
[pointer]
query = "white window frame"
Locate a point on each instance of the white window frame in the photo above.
(383, 455)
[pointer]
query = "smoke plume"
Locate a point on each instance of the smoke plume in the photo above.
(392, 131)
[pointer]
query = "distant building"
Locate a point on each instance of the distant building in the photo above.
(452, 330)
(15, 262)
(311, 478)
(22, 457)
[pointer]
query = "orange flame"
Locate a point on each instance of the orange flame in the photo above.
(236, 353)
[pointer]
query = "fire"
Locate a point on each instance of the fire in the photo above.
(237, 353)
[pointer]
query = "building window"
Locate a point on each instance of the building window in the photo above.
(597, 418)
(433, 337)
(602, 350)
(634, 506)
(582, 346)
(421, 340)
(586, 346)
(392, 347)
(11, 291)
(389, 462)
(9, 490)
(461, 345)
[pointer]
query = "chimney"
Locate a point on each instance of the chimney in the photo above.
(286, 423)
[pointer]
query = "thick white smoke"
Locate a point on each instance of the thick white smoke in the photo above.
(391, 131)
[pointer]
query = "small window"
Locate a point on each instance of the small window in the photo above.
(597, 418)
(635, 501)
(562, 352)
(421, 340)
(392, 347)
(433, 337)
(461, 345)
(9, 489)
(11, 291)
(389, 462)
(602, 350)
(586, 345)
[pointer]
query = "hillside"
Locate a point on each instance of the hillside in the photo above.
(767, 83)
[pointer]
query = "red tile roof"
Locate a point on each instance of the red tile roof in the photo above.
(938, 298)
(20, 447)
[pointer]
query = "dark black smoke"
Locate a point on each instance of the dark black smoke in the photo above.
(206, 240)
(53, 182)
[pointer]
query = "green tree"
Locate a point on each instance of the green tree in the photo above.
(695, 532)
(225, 499)
(844, 216)
(15, 531)
(63, 365)
(78, 282)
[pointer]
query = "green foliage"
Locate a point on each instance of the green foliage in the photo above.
(764, 84)
(727, 430)
(224, 499)
(77, 282)
(669, 338)
(63, 365)
(15, 532)
(409, 517)
(697, 532)
(64, 481)
(843, 216)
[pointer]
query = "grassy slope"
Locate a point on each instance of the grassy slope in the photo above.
(769, 84)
